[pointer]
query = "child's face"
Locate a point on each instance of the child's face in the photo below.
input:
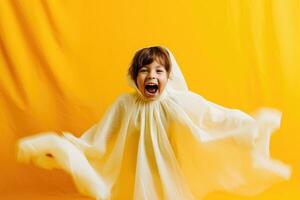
(152, 79)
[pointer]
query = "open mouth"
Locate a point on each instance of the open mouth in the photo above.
(151, 88)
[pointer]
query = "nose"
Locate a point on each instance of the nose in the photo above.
(151, 75)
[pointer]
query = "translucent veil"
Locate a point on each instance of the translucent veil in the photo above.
(216, 148)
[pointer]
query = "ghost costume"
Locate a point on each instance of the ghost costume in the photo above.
(179, 146)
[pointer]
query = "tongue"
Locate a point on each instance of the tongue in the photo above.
(151, 90)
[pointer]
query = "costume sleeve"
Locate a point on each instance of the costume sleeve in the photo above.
(254, 130)
(50, 150)
(212, 121)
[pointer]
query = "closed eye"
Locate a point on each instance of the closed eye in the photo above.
(143, 70)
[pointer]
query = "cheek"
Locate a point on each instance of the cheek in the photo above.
(140, 80)
(163, 80)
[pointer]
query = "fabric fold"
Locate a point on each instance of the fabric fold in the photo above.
(179, 146)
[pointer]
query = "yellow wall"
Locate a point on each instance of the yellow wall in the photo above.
(62, 63)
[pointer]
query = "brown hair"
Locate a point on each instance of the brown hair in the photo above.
(146, 56)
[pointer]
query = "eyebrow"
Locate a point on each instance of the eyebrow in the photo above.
(157, 66)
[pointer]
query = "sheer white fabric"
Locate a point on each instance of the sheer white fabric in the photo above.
(179, 146)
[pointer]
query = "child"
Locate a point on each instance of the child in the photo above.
(164, 142)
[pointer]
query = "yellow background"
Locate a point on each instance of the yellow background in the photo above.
(62, 63)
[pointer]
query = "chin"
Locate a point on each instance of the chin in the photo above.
(151, 96)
